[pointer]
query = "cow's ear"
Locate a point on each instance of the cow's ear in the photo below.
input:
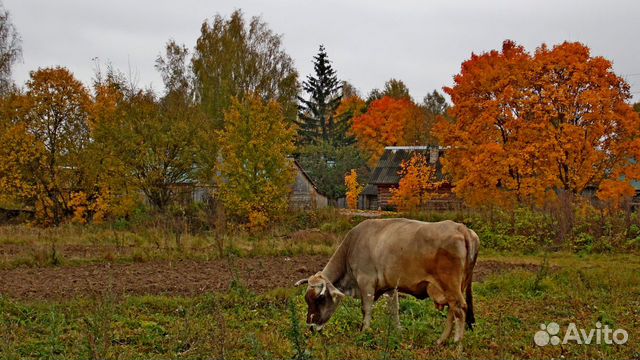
(301, 281)
(336, 295)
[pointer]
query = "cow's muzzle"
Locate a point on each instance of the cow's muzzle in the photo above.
(315, 327)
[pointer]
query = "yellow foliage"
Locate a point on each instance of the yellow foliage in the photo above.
(254, 174)
(418, 184)
(258, 220)
(79, 205)
(43, 133)
(100, 208)
(354, 189)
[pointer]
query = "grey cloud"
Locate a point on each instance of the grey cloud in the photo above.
(420, 42)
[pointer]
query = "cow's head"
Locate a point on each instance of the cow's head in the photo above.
(322, 300)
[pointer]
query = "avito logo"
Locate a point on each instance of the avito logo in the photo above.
(550, 334)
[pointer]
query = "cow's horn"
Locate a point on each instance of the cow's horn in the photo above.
(324, 288)
(301, 281)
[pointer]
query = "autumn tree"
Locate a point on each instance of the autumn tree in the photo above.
(349, 90)
(317, 118)
(50, 133)
(388, 122)
(10, 50)
(374, 94)
(21, 156)
(234, 58)
(396, 89)
(112, 192)
(255, 173)
(435, 104)
(157, 144)
(555, 121)
(350, 107)
(393, 88)
(175, 72)
(154, 142)
(354, 189)
(418, 184)
(417, 128)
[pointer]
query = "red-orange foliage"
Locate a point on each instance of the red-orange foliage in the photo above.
(387, 122)
(529, 123)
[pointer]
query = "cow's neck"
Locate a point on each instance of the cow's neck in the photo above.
(335, 270)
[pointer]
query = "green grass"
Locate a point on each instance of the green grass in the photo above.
(510, 307)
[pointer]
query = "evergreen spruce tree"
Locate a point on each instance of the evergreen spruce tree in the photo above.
(316, 118)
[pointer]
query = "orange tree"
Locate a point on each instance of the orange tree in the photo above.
(45, 135)
(418, 184)
(526, 124)
(387, 122)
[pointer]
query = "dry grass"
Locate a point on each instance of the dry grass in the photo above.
(72, 245)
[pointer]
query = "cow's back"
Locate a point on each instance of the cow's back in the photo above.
(404, 253)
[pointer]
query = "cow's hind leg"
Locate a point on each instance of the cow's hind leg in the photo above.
(439, 300)
(457, 308)
(447, 329)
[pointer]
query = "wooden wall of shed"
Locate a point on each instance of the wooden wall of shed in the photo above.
(304, 196)
(384, 195)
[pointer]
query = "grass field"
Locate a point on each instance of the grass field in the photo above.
(244, 322)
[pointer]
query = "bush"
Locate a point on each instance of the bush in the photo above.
(530, 230)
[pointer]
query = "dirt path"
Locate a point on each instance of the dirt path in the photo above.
(185, 277)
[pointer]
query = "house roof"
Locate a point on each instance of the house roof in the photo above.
(386, 172)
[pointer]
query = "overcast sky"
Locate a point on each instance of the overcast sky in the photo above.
(369, 42)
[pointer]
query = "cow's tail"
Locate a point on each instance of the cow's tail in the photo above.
(471, 244)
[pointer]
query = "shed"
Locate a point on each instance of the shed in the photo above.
(305, 194)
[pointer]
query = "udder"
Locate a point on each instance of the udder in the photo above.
(437, 295)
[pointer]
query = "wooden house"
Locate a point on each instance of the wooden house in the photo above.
(386, 177)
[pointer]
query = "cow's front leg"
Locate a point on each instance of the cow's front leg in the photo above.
(367, 308)
(393, 306)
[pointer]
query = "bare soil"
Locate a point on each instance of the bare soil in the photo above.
(184, 277)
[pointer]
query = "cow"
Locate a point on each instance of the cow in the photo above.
(387, 256)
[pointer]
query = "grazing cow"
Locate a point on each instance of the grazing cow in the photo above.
(382, 256)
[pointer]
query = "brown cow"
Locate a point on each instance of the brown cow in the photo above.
(398, 255)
